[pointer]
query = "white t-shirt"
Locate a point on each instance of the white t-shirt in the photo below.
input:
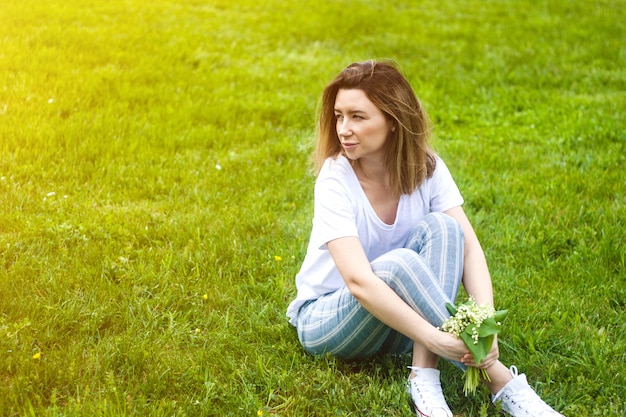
(342, 209)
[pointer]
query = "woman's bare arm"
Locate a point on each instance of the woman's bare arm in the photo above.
(380, 300)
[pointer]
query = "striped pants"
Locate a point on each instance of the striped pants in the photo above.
(426, 274)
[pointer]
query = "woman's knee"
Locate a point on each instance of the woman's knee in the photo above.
(444, 223)
(437, 229)
(397, 265)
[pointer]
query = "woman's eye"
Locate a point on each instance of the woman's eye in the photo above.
(338, 116)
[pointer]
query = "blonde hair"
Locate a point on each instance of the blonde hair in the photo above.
(409, 158)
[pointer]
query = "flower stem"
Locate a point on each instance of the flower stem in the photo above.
(473, 377)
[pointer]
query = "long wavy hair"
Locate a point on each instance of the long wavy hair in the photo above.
(409, 158)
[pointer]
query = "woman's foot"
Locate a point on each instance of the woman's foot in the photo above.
(426, 393)
(519, 399)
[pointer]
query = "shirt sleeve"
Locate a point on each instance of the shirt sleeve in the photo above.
(444, 193)
(334, 211)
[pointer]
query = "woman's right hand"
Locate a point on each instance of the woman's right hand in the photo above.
(448, 346)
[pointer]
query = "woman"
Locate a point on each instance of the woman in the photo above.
(390, 243)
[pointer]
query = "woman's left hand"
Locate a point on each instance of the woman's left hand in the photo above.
(490, 359)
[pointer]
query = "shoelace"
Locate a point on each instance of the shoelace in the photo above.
(430, 390)
(528, 401)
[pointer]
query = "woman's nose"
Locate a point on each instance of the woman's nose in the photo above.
(343, 129)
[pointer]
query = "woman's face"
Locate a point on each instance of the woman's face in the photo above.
(361, 127)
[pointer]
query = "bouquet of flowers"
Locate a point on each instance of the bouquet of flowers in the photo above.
(477, 326)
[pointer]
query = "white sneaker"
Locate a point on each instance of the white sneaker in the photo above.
(519, 399)
(426, 393)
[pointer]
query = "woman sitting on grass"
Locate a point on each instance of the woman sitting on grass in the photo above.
(390, 243)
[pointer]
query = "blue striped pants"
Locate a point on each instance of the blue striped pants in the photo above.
(426, 274)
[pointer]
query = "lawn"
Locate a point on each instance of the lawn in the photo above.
(156, 197)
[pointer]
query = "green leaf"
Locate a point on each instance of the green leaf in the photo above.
(451, 309)
(488, 327)
(478, 350)
(500, 315)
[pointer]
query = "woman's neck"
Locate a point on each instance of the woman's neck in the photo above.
(374, 180)
(371, 173)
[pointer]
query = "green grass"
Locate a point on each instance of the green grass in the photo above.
(155, 197)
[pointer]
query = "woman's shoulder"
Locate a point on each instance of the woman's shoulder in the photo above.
(440, 166)
(440, 175)
(336, 166)
(337, 175)
(337, 160)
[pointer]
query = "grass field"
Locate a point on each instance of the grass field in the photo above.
(156, 197)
